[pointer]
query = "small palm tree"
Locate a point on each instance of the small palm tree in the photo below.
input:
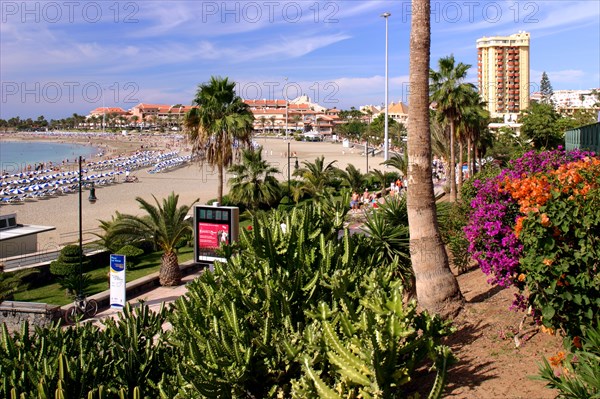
(13, 282)
(165, 225)
(388, 236)
(381, 178)
(316, 176)
(263, 121)
(296, 119)
(399, 162)
(352, 178)
(253, 183)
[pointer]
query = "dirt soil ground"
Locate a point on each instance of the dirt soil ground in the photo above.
(490, 365)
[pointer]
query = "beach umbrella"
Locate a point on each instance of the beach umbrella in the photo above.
(16, 191)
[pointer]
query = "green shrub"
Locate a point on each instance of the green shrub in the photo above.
(147, 246)
(561, 245)
(132, 254)
(452, 218)
(75, 283)
(68, 262)
(13, 281)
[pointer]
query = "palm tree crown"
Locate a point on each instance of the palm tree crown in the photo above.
(316, 176)
(165, 225)
(253, 183)
(220, 123)
(451, 94)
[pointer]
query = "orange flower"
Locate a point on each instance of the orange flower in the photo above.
(561, 281)
(558, 359)
(519, 225)
(547, 330)
(545, 220)
(548, 262)
(521, 277)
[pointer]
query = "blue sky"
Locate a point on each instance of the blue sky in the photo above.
(58, 57)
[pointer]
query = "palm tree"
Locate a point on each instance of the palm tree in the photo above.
(12, 282)
(165, 225)
(399, 161)
(352, 178)
(436, 286)
(220, 121)
(380, 177)
(263, 121)
(473, 121)
(296, 119)
(451, 94)
(272, 119)
(253, 183)
(316, 177)
(388, 236)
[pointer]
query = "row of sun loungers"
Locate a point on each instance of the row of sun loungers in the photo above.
(170, 164)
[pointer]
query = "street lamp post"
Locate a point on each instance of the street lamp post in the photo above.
(367, 153)
(288, 164)
(386, 138)
(92, 199)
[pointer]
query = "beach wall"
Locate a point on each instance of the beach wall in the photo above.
(14, 314)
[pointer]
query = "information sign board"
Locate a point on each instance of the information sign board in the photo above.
(117, 281)
(214, 226)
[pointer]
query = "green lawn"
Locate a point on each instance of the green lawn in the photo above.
(53, 294)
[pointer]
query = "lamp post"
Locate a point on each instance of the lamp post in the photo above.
(92, 199)
(367, 153)
(296, 166)
(284, 92)
(385, 15)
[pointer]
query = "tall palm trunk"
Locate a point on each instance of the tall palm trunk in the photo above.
(471, 170)
(437, 288)
(170, 274)
(461, 148)
(220, 176)
(452, 163)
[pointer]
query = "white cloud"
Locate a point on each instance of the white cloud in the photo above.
(568, 76)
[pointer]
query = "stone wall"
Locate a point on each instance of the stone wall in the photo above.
(14, 314)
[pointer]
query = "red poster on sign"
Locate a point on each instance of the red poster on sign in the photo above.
(212, 236)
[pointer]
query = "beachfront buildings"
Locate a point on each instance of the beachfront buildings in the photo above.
(140, 116)
(288, 117)
(270, 116)
(503, 73)
(170, 116)
(399, 112)
(566, 102)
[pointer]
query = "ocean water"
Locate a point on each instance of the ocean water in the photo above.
(15, 156)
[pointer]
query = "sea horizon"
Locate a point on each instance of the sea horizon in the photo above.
(18, 156)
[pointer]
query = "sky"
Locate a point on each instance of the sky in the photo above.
(63, 57)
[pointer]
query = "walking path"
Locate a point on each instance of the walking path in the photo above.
(154, 298)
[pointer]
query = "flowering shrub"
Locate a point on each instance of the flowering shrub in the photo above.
(535, 226)
(576, 374)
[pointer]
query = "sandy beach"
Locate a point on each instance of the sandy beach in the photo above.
(190, 182)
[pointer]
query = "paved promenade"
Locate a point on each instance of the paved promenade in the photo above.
(155, 297)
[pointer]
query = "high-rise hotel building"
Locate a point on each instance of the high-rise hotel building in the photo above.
(503, 72)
